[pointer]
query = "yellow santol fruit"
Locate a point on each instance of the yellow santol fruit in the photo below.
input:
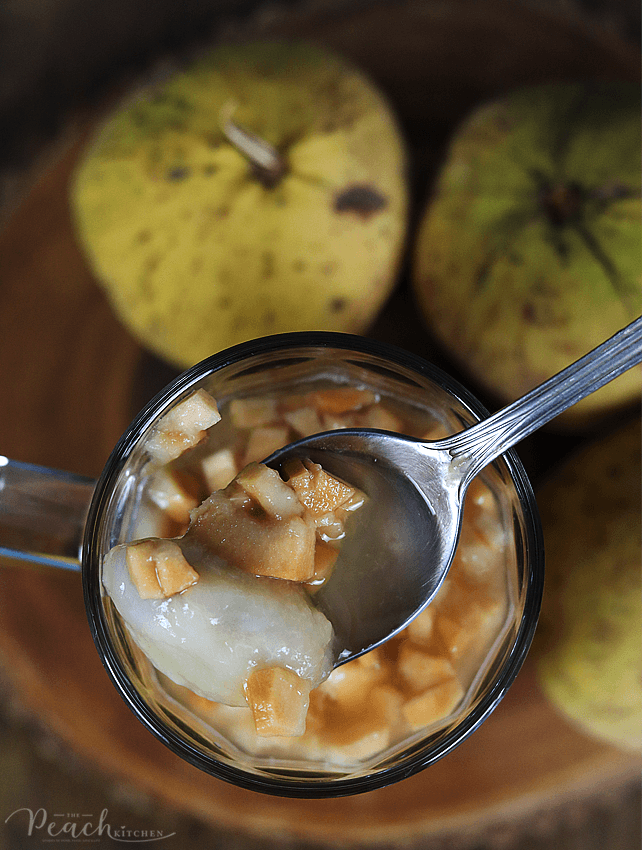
(589, 642)
(529, 253)
(261, 189)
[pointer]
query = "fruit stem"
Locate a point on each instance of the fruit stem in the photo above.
(561, 202)
(267, 163)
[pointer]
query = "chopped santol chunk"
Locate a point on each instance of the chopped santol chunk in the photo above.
(278, 699)
(434, 704)
(329, 527)
(421, 629)
(341, 399)
(420, 670)
(351, 683)
(320, 492)
(219, 469)
(467, 616)
(170, 496)
(325, 557)
(265, 526)
(381, 419)
(264, 441)
(253, 412)
(260, 545)
(335, 422)
(158, 568)
(304, 421)
(266, 486)
(183, 427)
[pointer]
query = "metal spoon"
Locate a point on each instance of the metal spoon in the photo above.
(417, 491)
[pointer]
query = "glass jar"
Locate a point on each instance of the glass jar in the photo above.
(298, 363)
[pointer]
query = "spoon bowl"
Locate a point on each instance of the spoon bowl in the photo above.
(411, 518)
(416, 491)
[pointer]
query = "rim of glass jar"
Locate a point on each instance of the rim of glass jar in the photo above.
(308, 787)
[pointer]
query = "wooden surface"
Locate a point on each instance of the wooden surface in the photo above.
(71, 378)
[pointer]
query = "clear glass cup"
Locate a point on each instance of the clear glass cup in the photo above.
(117, 510)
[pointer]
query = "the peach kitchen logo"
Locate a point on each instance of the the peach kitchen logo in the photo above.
(57, 828)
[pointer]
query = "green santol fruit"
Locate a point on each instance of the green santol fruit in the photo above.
(529, 252)
(589, 642)
(262, 189)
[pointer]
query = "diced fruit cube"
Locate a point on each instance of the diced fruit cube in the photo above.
(328, 527)
(278, 699)
(158, 568)
(387, 701)
(278, 549)
(421, 629)
(421, 671)
(434, 704)
(474, 555)
(351, 683)
(170, 496)
(219, 469)
(297, 475)
(467, 617)
(366, 727)
(253, 412)
(183, 427)
(321, 492)
(304, 421)
(266, 487)
(380, 418)
(336, 422)
(325, 557)
(263, 441)
(481, 512)
(341, 399)
(373, 658)
(350, 505)
(238, 496)
(457, 636)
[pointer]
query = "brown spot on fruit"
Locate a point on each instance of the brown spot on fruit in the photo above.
(613, 191)
(267, 265)
(178, 172)
(337, 305)
(362, 200)
(562, 202)
(151, 264)
(528, 312)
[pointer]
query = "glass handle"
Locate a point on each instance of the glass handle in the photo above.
(42, 514)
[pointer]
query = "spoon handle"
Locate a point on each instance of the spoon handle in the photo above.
(476, 447)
